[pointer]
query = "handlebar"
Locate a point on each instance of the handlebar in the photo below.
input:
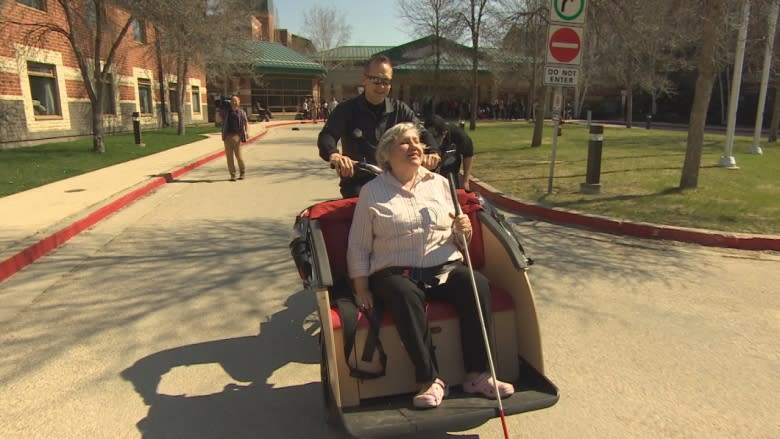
(364, 168)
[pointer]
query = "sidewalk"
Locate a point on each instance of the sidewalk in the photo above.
(39, 220)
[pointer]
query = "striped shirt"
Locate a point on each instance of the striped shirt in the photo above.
(396, 227)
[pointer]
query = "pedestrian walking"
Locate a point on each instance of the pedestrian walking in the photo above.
(234, 132)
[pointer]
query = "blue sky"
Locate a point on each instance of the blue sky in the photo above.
(366, 17)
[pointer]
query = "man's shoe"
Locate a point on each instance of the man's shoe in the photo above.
(232, 178)
(241, 177)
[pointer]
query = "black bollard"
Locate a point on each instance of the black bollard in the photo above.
(592, 183)
(137, 128)
(648, 121)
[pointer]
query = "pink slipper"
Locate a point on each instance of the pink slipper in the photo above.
(484, 384)
(431, 397)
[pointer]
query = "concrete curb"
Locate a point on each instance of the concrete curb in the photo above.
(712, 238)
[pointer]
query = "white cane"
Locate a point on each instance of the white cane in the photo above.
(465, 246)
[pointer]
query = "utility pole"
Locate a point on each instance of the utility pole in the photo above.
(770, 44)
(727, 161)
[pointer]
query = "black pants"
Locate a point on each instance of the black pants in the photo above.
(405, 299)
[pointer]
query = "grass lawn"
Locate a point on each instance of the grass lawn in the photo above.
(640, 174)
(29, 167)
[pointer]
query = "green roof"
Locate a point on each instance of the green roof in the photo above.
(447, 63)
(351, 53)
(267, 56)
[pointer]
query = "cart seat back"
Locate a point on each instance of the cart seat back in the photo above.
(335, 219)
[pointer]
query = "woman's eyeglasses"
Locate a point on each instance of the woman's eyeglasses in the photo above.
(376, 80)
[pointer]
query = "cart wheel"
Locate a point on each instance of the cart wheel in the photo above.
(332, 417)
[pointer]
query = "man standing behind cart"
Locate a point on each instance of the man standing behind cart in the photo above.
(452, 138)
(360, 122)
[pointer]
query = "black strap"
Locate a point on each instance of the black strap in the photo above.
(349, 318)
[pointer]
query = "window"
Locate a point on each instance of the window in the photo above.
(43, 87)
(37, 4)
(195, 99)
(109, 102)
(139, 31)
(173, 97)
(145, 96)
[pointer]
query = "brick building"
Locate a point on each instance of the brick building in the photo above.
(42, 92)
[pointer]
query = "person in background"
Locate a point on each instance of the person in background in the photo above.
(359, 122)
(234, 132)
(404, 249)
(450, 137)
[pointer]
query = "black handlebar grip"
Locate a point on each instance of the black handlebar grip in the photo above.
(454, 194)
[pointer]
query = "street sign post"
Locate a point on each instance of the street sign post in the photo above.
(564, 49)
(564, 42)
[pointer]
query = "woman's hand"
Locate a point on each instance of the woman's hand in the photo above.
(461, 225)
(363, 298)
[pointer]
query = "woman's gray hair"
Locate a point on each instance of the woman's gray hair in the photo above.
(388, 140)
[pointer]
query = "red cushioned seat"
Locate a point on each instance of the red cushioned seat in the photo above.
(501, 301)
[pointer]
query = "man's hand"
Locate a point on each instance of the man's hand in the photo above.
(342, 164)
(431, 161)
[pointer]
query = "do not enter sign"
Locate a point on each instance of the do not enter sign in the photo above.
(564, 45)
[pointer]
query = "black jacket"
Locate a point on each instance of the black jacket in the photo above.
(359, 128)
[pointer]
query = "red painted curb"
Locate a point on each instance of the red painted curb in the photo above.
(711, 238)
(27, 256)
(10, 266)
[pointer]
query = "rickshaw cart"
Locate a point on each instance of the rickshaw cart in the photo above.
(381, 407)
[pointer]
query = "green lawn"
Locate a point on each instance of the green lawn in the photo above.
(640, 173)
(29, 167)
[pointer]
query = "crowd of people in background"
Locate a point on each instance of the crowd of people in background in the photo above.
(451, 109)
(314, 110)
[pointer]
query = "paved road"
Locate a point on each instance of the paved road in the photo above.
(182, 316)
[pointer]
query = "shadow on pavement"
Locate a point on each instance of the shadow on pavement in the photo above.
(249, 406)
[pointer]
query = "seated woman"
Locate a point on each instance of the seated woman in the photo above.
(403, 251)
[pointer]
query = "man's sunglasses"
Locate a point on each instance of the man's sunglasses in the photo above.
(376, 80)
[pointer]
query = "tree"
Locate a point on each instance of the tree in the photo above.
(433, 17)
(712, 23)
(524, 24)
(473, 12)
(94, 31)
(181, 29)
(326, 27)
(642, 40)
